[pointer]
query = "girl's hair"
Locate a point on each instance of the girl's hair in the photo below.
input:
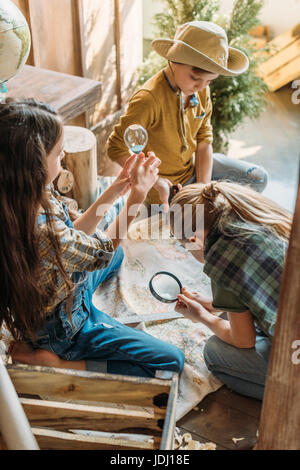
(28, 132)
(228, 204)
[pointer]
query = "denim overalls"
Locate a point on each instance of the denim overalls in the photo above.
(105, 344)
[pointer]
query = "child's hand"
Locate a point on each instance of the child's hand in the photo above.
(144, 173)
(189, 307)
(122, 182)
(197, 297)
(163, 186)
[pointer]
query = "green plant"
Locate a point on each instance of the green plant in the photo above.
(233, 98)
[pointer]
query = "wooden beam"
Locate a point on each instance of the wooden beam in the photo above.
(56, 43)
(167, 440)
(280, 420)
(56, 440)
(65, 416)
(117, 28)
(67, 384)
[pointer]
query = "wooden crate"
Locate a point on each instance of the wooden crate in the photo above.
(260, 36)
(59, 401)
(283, 65)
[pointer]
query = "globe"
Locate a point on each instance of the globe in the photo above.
(15, 40)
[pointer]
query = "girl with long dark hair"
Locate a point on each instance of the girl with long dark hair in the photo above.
(50, 266)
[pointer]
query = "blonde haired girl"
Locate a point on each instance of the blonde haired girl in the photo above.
(243, 241)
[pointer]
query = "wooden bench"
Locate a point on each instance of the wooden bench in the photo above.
(283, 65)
(58, 402)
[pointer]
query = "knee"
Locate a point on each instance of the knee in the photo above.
(257, 178)
(178, 360)
(211, 351)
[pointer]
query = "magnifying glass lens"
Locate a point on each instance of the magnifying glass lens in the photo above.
(165, 287)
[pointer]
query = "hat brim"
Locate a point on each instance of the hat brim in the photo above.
(183, 53)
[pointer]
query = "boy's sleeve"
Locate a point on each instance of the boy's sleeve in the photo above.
(224, 299)
(205, 133)
(141, 110)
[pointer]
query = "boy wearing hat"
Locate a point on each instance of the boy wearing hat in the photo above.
(175, 107)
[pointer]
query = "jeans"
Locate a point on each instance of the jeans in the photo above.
(106, 344)
(237, 171)
(242, 370)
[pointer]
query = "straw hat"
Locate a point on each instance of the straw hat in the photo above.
(203, 44)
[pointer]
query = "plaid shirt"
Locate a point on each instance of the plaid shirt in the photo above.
(250, 266)
(80, 252)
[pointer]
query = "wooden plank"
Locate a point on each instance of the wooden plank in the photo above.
(56, 440)
(285, 39)
(279, 60)
(248, 406)
(117, 30)
(65, 416)
(69, 95)
(284, 75)
(54, 35)
(218, 423)
(24, 7)
(280, 421)
(170, 420)
(67, 384)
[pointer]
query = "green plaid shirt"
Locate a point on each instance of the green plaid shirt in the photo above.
(80, 252)
(250, 267)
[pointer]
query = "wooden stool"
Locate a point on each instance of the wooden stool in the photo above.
(81, 160)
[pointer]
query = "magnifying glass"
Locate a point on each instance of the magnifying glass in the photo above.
(164, 286)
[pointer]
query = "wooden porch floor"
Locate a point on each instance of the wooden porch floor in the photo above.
(221, 416)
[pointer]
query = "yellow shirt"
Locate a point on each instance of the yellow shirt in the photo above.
(173, 132)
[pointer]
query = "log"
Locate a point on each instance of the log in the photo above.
(65, 181)
(81, 160)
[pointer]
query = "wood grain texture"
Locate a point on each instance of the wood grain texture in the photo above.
(64, 416)
(219, 423)
(69, 95)
(55, 35)
(65, 384)
(56, 440)
(283, 63)
(80, 159)
(167, 440)
(280, 420)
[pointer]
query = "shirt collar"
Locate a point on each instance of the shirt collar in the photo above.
(193, 100)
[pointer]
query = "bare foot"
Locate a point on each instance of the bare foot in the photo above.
(20, 351)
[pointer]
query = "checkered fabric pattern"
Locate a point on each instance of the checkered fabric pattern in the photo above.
(80, 252)
(251, 267)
